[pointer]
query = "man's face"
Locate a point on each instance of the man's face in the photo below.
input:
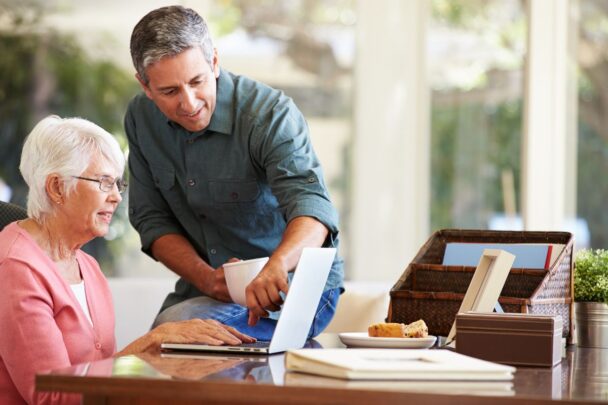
(183, 87)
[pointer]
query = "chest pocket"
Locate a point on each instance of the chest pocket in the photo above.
(234, 191)
(164, 178)
(244, 212)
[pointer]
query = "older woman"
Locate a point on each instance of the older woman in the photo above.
(55, 307)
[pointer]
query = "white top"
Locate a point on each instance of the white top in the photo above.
(81, 296)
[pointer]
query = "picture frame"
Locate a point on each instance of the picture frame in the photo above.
(486, 284)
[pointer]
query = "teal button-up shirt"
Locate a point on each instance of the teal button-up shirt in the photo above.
(232, 188)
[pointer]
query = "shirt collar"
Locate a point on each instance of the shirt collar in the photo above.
(221, 120)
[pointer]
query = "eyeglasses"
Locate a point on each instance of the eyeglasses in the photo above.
(106, 183)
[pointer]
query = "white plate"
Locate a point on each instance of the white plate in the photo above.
(361, 339)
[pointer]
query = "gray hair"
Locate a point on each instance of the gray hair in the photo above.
(66, 147)
(168, 31)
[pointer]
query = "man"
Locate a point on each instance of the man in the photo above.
(221, 167)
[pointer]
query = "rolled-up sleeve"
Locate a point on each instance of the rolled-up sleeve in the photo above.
(149, 212)
(284, 148)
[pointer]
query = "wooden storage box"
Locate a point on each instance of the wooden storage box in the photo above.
(516, 339)
(431, 291)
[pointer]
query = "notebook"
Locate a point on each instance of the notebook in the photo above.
(297, 313)
(395, 364)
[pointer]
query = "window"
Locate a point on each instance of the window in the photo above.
(593, 119)
(475, 56)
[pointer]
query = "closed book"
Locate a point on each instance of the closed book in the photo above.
(394, 364)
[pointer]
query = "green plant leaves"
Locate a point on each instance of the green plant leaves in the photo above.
(591, 276)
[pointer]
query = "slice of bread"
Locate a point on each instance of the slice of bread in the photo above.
(416, 329)
(386, 330)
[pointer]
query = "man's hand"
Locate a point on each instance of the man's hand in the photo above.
(178, 254)
(214, 285)
(263, 293)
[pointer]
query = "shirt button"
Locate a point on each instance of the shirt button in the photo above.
(213, 251)
(234, 195)
(191, 182)
(190, 141)
(311, 179)
(98, 346)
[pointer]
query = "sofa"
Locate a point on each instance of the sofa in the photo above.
(137, 300)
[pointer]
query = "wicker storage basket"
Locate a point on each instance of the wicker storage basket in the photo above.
(431, 291)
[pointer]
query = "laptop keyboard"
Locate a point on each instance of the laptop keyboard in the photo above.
(258, 343)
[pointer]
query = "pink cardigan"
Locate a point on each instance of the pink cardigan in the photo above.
(42, 326)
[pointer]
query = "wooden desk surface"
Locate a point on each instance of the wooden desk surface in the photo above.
(581, 377)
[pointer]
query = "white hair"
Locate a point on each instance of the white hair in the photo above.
(63, 146)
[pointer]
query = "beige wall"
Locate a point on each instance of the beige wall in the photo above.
(391, 160)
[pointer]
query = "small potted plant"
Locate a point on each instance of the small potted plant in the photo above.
(591, 297)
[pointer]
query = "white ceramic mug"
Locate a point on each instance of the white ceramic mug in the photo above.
(240, 274)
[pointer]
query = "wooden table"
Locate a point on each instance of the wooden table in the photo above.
(581, 377)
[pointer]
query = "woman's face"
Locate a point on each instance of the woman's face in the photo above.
(87, 208)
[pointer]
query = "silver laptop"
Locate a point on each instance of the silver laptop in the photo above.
(297, 313)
